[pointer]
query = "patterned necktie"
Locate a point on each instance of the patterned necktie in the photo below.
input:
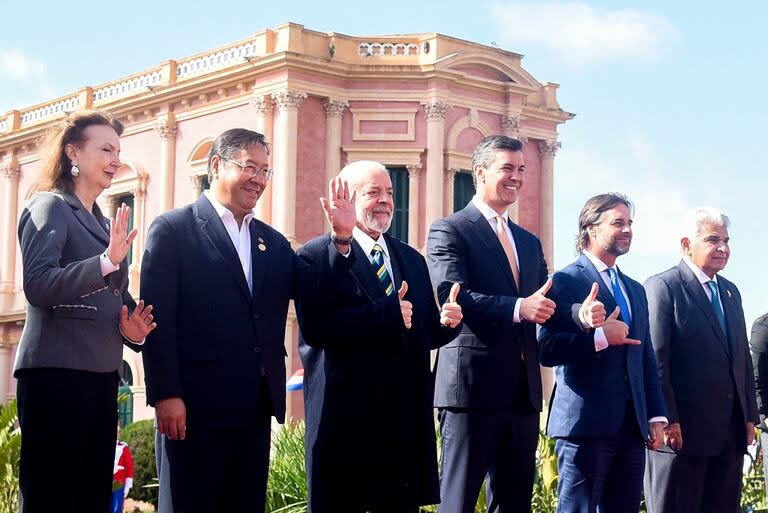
(715, 300)
(621, 300)
(377, 260)
(501, 233)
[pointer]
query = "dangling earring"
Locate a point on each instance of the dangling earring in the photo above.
(75, 170)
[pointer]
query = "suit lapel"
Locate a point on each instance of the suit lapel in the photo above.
(88, 221)
(485, 233)
(603, 294)
(696, 291)
(633, 298)
(731, 311)
(362, 272)
(213, 229)
(259, 258)
(395, 258)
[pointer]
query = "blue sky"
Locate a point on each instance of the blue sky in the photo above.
(668, 95)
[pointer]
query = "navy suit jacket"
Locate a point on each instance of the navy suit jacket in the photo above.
(592, 388)
(370, 435)
(214, 336)
(703, 371)
(478, 369)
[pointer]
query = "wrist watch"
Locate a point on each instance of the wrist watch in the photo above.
(344, 241)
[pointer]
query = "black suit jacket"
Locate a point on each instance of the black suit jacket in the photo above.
(214, 336)
(370, 439)
(702, 370)
(758, 343)
(479, 368)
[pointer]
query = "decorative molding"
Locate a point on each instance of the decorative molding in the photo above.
(387, 155)
(458, 160)
(474, 117)
(288, 99)
(510, 123)
(263, 104)
(382, 49)
(435, 110)
(166, 128)
(380, 116)
(461, 125)
(10, 168)
(334, 107)
(450, 174)
(548, 147)
(414, 170)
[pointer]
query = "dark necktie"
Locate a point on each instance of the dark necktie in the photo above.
(377, 260)
(715, 300)
(621, 300)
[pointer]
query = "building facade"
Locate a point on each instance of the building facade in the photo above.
(417, 103)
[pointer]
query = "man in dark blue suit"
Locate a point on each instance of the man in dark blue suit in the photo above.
(365, 345)
(700, 338)
(607, 402)
(221, 281)
(488, 388)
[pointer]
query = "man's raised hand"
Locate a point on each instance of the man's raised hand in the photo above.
(616, 331)
(339, 207)
(538, 307)
(450, 313)
(406, 308)
(592, 311)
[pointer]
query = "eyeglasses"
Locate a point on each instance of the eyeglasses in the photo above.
(250, 171)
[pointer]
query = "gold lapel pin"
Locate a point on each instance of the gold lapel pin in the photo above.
(262, 247)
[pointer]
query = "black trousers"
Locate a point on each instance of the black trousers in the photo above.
(497, 443)
(68, 424)
(220, 469)
(677, 483)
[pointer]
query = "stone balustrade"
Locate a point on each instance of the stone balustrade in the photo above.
(216, 60)
(384, 49)
(128, 86)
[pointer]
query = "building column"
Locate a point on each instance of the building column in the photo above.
(450, 177)
(334, 110)
(111, 202)
(414, 170)
(285, 162)
(264, 122)
(10, 174)
(166, 129)
(510, 126)
(435, 111)
(5, 371)
(138, 213)
(292, 364)
(547, 150)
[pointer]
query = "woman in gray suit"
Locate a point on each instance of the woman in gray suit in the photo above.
(79, 314)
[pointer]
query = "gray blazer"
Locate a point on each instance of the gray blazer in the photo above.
(72, 310)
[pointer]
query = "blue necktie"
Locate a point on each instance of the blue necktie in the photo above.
(621, 300)
(377, 260)
(715, 300)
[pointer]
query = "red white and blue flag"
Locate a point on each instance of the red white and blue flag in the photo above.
(295, 382)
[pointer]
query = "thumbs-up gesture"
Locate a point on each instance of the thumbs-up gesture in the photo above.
(616, 332)
(450, 313)
(538, 307)
(592, 311)
(406, 308)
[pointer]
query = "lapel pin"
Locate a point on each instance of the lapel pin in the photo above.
(728, 291)
(261, 240)
(262, 247)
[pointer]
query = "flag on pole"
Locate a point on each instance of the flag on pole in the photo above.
(295, 382)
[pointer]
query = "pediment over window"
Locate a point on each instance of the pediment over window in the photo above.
(487, 67)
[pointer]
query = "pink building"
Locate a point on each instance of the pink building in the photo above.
(417, 103)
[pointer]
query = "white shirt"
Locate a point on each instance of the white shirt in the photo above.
(704, 279)
(367, 243)
(240, 235)
(491, 215)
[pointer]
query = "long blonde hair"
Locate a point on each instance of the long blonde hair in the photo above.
(56, 166)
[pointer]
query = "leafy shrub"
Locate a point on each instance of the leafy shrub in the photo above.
(10, 450)
(287, 484)
(140, 437)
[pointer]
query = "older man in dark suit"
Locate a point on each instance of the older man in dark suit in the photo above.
(365, 345)
(488, 389)
(700, 338)
(221, 281)
(607, 402)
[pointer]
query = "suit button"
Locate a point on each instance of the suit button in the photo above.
(257, 349)
(257, 316)
(116, 292)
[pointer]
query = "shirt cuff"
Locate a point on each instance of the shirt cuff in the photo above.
(601, 342)
(107, 267)
(516, 313)
(140, 343)
(659, 419)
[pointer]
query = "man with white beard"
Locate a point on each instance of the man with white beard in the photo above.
(365, 346)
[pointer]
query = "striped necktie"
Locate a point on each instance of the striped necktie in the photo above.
(377, 260)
